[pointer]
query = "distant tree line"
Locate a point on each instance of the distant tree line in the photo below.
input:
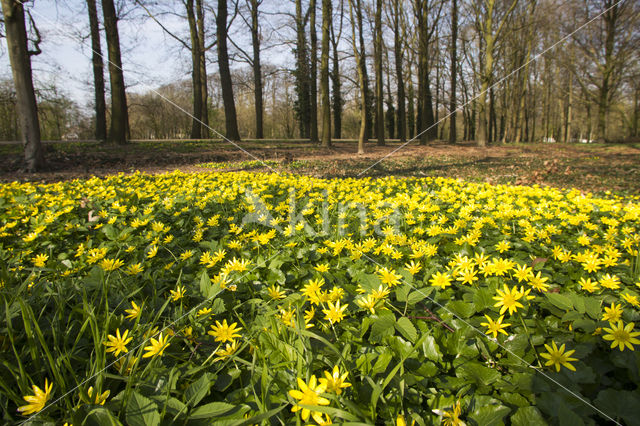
(372, 69)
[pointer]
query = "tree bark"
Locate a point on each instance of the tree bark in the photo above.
(324, 74)
(303, 105)
(378, 65)
(119, 113)
(335, 78)
(398, 48)
(426, 125)
(98, 72)
(231, 122)
(16, 34)
(257, 69)
(363, 70)
(359, 54)
(313, 74)
(204, 90)
(196, 72)
(454, 71)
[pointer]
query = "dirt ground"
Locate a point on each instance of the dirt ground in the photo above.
(595, 168)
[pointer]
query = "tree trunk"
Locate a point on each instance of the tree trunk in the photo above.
(231, 122)
(98, 72)
(313, 74)
(204, 91)
(257, 70)
(378, 65)
(411, 114)
(303, 105)
(196, 82)
(324, 74)
(359, 54)
(426, 126)
(363, 70)
(335, 79)
(398, 47)
(454, 64)
(16, 34)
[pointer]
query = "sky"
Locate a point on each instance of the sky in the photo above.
(150, 57)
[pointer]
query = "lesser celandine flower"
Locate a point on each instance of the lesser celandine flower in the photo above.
(118, 343)
(37, 401)
(334, 381)
(309, 394)
(557, 357)
(224, 332)
(495, 327)
(134, 312)
(622, 335)
(508, 300)
(40, 260)
(334, 312)
(156, 347)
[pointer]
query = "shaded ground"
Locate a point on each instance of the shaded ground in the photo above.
(595, 168)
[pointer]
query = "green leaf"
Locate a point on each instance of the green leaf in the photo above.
(461, 308)
(477, 373)
(489, 415)
(214, 409)
(382, 326)
(101, 417)
(141, 411)
(620, 404)
(482, 299)
(407, 329)
(382, 362)
(528, 416)
(199, 389)
(560, 301)
(419, 295)
(430, 348)
(207, 288)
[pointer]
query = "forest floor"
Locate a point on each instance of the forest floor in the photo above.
(595, 168)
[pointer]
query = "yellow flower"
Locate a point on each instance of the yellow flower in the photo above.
(322, 267)
(538, 282)
(439, 279)
(452, 418)
(610, 281)
(37, 401)
(389, 277)
(334, 313)
(588, 285)
(558, 357)
(111, 264)
(508, 299)
(96, 398)
(309, 394)
(275, 293)
(156, 347)
(186, 255)
(523, 273)
(135, 269)
(413, 267)
(495, 327)
(612, 313)
(229, 350)
(134, 312)
(503, 246)
(622, 335)
(368, 302)
(40, 260)
(224, 332)
(467, 276)
(178, 293)
(334, 382)
(204, 311)
(117, 343)
(152, 251)
(632, 300)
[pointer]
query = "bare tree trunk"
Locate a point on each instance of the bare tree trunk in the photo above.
(98, 72)
(303, 105)
(398, 48)
(426, 124)
(231, 121)
(19, 56)
(454, 71)
(196, 81)
(324, 74)
(378, 65)
(363, 69)
(204, 91)
(335, 78)
(119, 112)
(360, 57)
(313, 73)
(257, 69)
